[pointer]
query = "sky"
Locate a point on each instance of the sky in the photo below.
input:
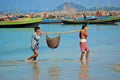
(43, 5)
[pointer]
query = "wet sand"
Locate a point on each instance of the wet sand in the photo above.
(61, 70)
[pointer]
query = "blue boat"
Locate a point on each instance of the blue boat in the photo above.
(87, 18)
(51, 21)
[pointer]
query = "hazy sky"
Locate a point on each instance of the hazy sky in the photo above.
(51, 4)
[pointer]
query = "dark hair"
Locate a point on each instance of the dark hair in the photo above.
(84, 25)
(36, 28)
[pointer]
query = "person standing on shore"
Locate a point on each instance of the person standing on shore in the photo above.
(83, 45)
(35, 44)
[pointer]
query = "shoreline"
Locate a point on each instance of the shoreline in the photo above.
(61, 14)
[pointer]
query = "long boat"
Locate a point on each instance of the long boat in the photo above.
(23, 22)
(51, 21)
(102, 20)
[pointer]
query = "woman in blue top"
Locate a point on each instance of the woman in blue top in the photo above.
(34, 44)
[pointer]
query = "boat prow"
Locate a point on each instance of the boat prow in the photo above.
(24, 22)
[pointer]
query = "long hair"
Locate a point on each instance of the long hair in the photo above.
(83, 27)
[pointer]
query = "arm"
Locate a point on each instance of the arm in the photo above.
(80, 35)
(86, 34)
(40, 34)
(37, 37)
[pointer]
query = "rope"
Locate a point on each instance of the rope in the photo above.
(61, 32)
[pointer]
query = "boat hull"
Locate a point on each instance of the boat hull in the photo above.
(29, 25)
(20, 23)
(51, 21)
(107, 21)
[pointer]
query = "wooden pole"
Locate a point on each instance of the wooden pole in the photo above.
(57, 33)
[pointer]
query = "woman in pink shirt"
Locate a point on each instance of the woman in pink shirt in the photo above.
(83, 45)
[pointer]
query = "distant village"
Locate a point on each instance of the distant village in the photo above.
(66, 11)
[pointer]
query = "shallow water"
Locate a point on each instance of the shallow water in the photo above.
(61, 63)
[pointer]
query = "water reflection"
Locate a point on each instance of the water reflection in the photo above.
(54, 73)
(36, 71)
(84, 69)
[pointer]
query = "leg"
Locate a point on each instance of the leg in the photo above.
(82, 50)
(34, 57)
(82, 56)
(87, 55)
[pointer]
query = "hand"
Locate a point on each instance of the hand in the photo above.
(87, 28)
(40, 34)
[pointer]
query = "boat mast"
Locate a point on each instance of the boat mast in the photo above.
(115, 5)
(108, 2)
(95, 1)
(109, 11)
(68, 5)
(98, 6)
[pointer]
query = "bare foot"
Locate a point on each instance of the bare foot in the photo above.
(81, 61)
(28, 60)
(87, 61)
(34, 60)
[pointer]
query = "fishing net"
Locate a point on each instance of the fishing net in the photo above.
(53, 42)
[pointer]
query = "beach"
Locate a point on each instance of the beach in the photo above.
(63, 62)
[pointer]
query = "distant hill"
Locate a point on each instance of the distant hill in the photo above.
(67, 6)
(104, 8)
(70, 5)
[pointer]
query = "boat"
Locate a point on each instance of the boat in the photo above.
(87, 18)
(99, 20)
(51, 21)
(22, 22)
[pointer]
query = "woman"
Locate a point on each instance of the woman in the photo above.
(34, 44)
(83, 45)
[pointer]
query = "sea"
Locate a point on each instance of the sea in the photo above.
(61, 63)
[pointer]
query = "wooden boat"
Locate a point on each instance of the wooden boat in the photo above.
(51, 21)
(97, 21)
(23, 22)
(87, 18)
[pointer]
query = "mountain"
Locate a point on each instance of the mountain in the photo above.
(68, 6)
